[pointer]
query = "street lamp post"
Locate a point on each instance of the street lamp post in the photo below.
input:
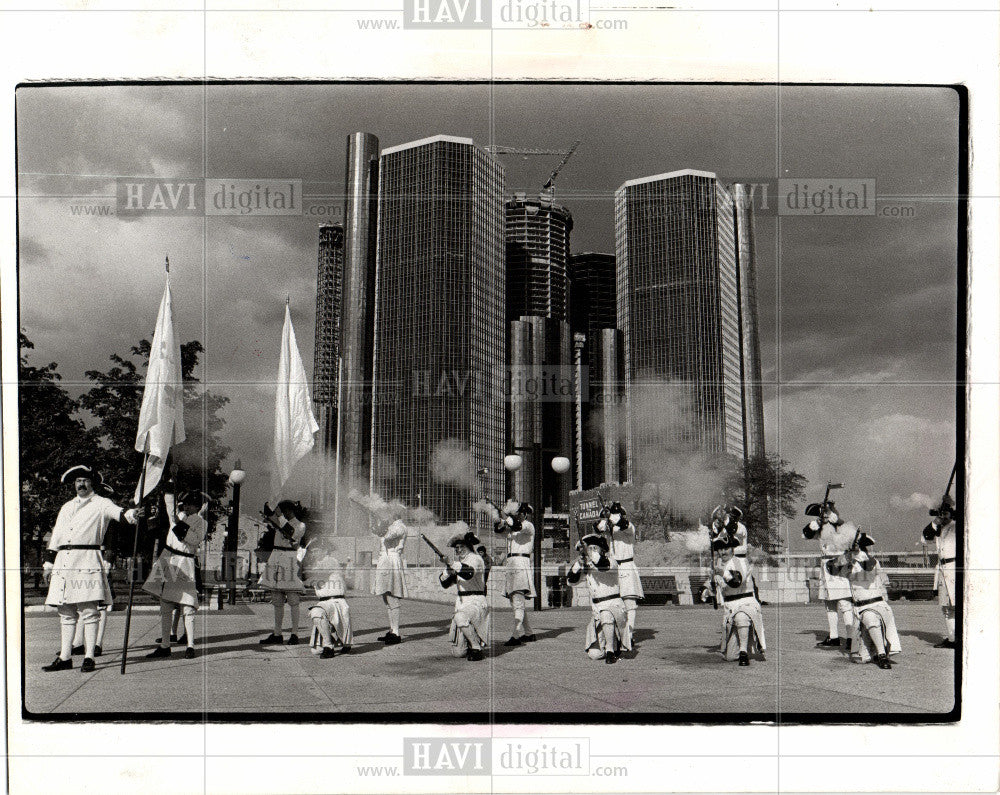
(233, 531)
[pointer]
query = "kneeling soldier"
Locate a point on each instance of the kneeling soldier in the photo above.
(608, 632)
(331, 616)
(470, 629)
(742, 622)
(879, 639)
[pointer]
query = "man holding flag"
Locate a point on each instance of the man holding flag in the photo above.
(161, 421)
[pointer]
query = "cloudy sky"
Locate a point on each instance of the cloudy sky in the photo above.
(857, 313)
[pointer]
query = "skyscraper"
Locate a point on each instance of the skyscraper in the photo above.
(439, 323)
(537, 243)
(326, 352)
(685, 313)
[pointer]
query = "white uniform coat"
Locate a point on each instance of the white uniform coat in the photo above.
(868, 585)
(517, 567)
(326, 577)
(78, 574)
(623, 551)
(605, 598)
(389, 577)
(833, 541)
(741, 600)
(474, 606)
(172, 576)
(944, 574)
(281, 572)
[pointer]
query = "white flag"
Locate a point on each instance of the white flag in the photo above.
(161, 418)
(294, 423)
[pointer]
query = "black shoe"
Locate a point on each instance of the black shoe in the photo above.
(88, 665)
(190, 653)
(392, 639)
(345, 649)
(77, 650)
(528, 638)
(474, 655)
(98, 651)
(383, 637)
(610, 657)
(945, 644)
(272, 640)
(327, 653)
(513, 642)
(173, 639)
(744, 658)
(159, 651)
(882, 661)
(58, 664)
(830, 643)
(293, 640)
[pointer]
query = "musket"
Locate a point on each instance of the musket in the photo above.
(711, 578)
(437, 551)
(947, 491)
(826, 497)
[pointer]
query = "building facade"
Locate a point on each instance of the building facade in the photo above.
(684, 311)
(438, 324)
(537, 244)
(326, 351)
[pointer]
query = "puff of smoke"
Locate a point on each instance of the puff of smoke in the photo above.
(696, 541)
(911, 503)
(487, 509)
(451, 462)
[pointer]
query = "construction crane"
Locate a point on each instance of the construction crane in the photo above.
(547, 188)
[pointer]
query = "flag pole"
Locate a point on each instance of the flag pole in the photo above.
(135, 546)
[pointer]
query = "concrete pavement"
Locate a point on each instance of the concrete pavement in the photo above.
(677, 669)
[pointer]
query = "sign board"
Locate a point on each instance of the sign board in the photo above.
(585, 506)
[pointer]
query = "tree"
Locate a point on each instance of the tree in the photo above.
(766, 489)
(51, 439)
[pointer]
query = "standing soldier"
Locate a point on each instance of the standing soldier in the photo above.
(879, 639)
(941, 530)
(518, 587)
(742, 621)
(390, 583)
(281, 572)
(834, 538)
(74, 566)
(172, 578)
(607, 631)
(621, 534)
(470, 629)
(331, 616)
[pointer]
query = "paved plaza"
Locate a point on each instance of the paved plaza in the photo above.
(677, 668)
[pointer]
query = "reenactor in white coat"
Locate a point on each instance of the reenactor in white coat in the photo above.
(835, 537)
(74, 566)
(469, 632)
(172, 578)
(518, 580)
(622, 537)
(879, 640)
(608, 634)
(281, 571)
(742, 621)
(941, 531)
(331, 615)
(389, 581)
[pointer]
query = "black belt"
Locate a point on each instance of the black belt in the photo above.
(947, 560)
(519, 555)
(80, 546)
(472, 593)
(625, 560)
(739, 554)
(178, 552)
(733, 597)
(864, 602)
(606, 598)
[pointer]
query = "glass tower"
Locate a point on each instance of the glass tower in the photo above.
(439, 323)
(326, 353)
(682, 310)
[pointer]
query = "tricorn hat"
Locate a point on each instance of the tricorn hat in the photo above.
(817, 508)
(593, 539)
(81, 471)
(735, 512)
(525, 507)
(292, 505)
(468, 539)
(865, 541)
(945, 508)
